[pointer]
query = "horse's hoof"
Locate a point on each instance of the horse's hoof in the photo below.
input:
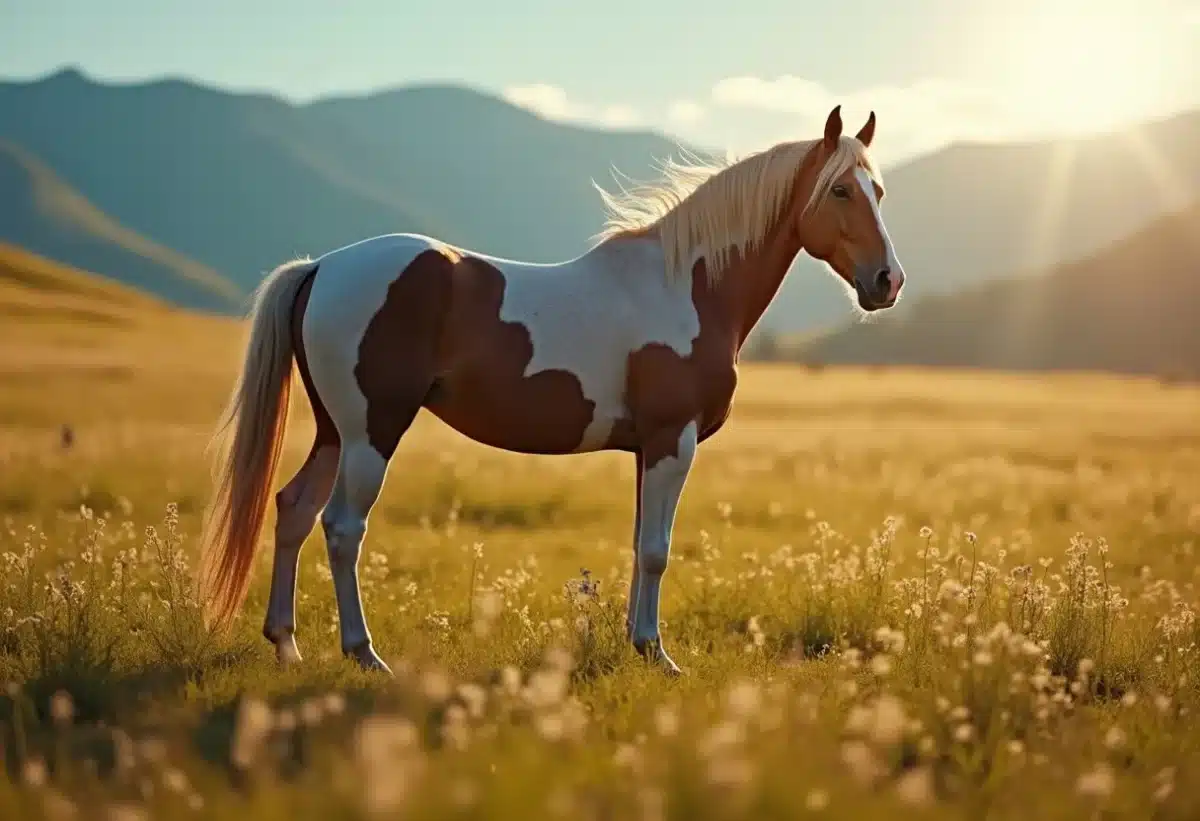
(652, 651)
(668, 666)
(366, 658)
(287, 653)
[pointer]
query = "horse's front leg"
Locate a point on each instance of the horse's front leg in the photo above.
(668, 457)
(631, 612)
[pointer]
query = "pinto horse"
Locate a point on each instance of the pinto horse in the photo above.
(632, 346)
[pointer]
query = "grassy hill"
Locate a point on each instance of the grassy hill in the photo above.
(239, 182)
(1130, 308)
(43, 214)
(77, 347)
(32, 285)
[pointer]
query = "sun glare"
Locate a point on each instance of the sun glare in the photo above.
(1079, 73)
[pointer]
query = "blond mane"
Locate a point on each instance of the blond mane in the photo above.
(707, 208)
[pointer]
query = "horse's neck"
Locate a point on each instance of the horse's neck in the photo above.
(742, 294)
(756, 277)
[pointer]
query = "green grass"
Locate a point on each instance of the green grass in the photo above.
(943, 595)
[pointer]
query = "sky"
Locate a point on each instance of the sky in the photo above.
(732, 75)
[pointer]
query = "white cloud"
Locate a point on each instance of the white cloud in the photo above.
(911, 118)
(746, 113)
(552, 102)
(685, 112)
(619, 116)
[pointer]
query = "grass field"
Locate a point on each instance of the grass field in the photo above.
(944, 595)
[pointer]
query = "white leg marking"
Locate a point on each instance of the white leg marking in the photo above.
(303, 499)
(360, 478)
(661, 489)
(631, 614)
(896, 277)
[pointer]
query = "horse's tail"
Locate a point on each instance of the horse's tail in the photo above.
(258, 411)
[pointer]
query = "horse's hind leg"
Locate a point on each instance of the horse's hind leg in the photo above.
(298, 504)
(359, 480)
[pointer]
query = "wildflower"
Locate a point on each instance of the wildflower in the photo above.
(464, 793)
(627, 757)
(1114, 739)
(435, 685)
(474, 696)
(550, 726)
(388, 753)
(1098, 783)
(915, 787)
(666, 720)
(62, 708)
(335, 704)
(34, 772)
(816, 800)
(175, 780)
(126, 811)
(743, 699)
(510, 680)
(254, 721)
(860, 760)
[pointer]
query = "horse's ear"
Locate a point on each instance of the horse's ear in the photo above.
(833, 128)
(867, 132)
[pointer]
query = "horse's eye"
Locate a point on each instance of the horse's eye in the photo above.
(841, 192)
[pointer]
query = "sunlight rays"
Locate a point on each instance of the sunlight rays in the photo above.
(1160, 173)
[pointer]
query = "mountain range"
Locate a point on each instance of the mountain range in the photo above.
(192, 193)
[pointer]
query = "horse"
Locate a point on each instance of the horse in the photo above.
(631, 346)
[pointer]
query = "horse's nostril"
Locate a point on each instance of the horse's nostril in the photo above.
(883, 281)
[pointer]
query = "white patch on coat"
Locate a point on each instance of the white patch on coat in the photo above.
(350, 287)
(586, 316)
(896, 275)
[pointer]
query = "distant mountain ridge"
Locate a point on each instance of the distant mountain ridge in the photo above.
(44, 215)
(1133, 307)
(239, 182)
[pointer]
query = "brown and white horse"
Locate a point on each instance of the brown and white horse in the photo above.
(632, 346)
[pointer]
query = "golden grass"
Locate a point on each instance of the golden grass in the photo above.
(999, 686)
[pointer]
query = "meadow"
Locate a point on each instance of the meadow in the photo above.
(942, 594)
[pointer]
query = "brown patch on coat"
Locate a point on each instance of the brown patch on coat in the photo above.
(482, 390)
(397, 356)
(665, 391)
(438, 342)
(327, 432)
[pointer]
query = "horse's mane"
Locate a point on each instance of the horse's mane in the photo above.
(707, 207)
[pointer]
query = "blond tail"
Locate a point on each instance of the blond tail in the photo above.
(257, 411)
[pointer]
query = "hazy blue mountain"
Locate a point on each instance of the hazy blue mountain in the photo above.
(242, 182)
(44, 215)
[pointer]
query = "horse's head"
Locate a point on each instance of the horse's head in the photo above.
(840, 221)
